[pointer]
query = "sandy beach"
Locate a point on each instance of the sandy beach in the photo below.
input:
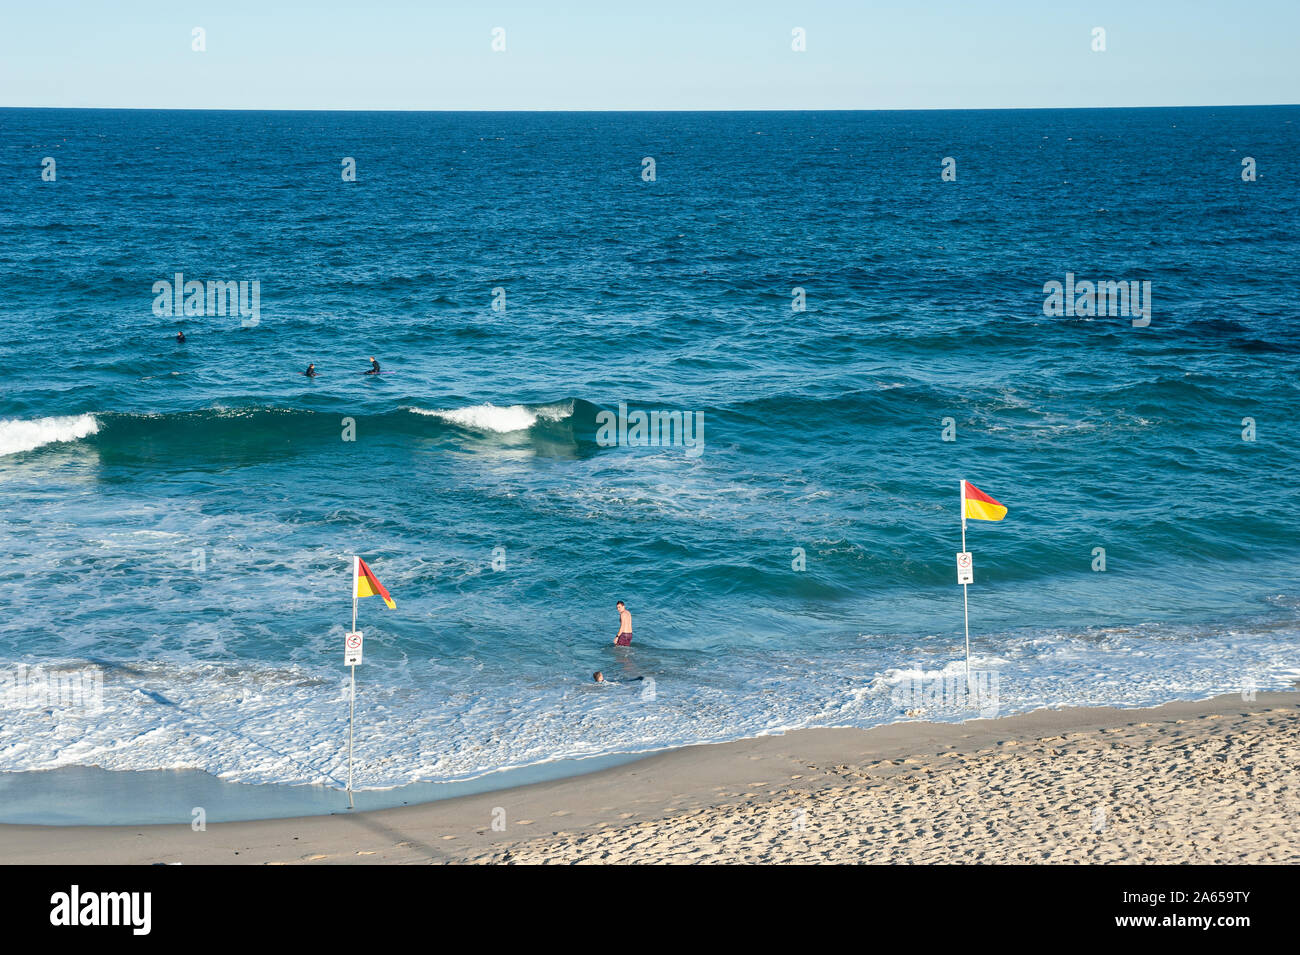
(1188, 782)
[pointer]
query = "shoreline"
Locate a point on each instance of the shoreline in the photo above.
(652, 808)
(155, 795)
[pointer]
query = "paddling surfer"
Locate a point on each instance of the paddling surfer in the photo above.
(624, 637)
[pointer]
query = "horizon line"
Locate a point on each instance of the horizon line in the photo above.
(644, 109)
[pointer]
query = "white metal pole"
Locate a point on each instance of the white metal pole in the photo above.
(965, 602)
(352, 696)
(352, 709)
(966, 610)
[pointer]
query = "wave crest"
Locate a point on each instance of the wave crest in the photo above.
(18, 435)
(500, 419)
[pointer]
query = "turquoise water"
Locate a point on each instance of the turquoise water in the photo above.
(180, 518)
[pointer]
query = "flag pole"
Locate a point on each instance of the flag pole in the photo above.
(352, 695)
(965, 602)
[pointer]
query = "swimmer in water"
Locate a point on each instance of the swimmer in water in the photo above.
(599, 677)
(374, 367)
(180, 337)
(311, 371)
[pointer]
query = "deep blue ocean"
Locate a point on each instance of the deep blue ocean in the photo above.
(182, 517)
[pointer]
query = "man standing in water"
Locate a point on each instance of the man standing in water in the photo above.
(624, 638)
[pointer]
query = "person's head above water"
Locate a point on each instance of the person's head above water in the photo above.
(598, 677)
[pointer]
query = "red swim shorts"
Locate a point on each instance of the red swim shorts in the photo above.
(624, 640)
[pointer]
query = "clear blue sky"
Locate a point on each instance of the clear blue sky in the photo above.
(657, 54)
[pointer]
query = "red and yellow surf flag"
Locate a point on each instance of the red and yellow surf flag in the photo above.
(366, 584)
(978, 506)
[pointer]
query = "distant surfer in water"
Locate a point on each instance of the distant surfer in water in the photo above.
(624, 638)
(311, 370)
(374, 367)
(180, 337)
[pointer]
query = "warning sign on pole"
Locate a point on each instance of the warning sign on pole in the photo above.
(352, 649)
(965, 572)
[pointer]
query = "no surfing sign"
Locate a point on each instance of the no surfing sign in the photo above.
(965, 570)
(352, 649)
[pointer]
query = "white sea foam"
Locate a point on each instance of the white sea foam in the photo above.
(286, 723)
(499, 419)
(18, 435)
